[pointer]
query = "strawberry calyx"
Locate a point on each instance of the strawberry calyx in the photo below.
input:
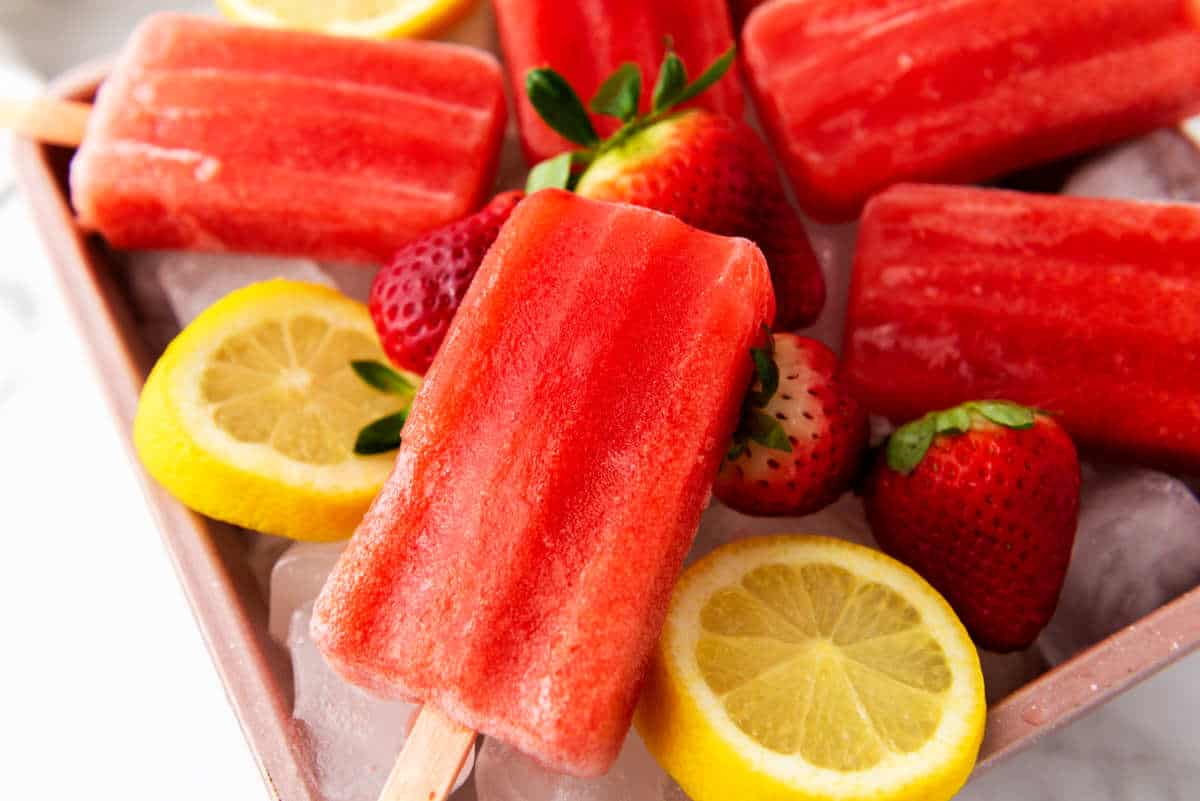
(383, 435)
(755, 425)
(907, 445)
(618, 96)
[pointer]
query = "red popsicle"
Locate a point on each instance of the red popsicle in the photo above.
(515, 570)
(858, 95)
(585, 42)
(212, 136)
(1089, 309)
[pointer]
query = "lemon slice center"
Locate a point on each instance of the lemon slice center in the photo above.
(812, 661)
(288, 384)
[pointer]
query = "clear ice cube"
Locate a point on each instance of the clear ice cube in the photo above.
(1137, 547)
(505, 774)
(1191, 129)
(1164, 165)
(192, 281)
(1004, 674)
(721, 525)
(296, 580)
(834, 246)
(353, 737)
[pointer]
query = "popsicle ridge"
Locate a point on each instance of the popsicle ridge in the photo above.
(1096, 320)
(308, 145)
(858, 95)
(515, 570)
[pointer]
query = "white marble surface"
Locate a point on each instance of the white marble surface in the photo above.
(105, 687)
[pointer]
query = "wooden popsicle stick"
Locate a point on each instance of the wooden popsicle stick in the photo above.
(56, 122)
(431, 759)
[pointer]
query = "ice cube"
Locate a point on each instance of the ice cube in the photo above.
(834, 246)
(1005, 673)
(1191, 129)
(263, 554)
(354, 737)
(191, 281)
(1137, 547)
(1162, 166)
(721, 525)
(296, 580)
(505, 774)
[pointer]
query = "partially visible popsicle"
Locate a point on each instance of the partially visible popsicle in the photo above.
(516, 568)
(585, 42)
(211, 136)
(1088, 309)
(858, 95)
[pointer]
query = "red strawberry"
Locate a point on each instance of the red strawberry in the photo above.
(982, 500)
(711, 171)
(802, 436)
(414, 297)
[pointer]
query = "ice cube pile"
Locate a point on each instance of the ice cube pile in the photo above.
(353, 736)
(504, 774)
(1138, 544)
(1137, 548)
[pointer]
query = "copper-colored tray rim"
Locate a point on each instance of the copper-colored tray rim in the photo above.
(260, 701)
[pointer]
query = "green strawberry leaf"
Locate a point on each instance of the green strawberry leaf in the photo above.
(767, 372)
(552, 173)
(1005, 413)
(672, 81)
(908, 444)
(952, 421)
(559, 106)
(383, 378)
(738, 447)
(618, 96)
(766, 431)
(381, 436)
(714, 73)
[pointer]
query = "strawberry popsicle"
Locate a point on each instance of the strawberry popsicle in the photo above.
(211, 136)
(858, 95)
(1088, 309)
(585, 42)
(515, 570)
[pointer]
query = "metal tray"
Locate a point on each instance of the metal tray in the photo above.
(211, 560)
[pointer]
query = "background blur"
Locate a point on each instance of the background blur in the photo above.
(106, 690)
(105, 686)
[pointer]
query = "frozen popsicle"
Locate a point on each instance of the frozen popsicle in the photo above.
(515, 570)
(211, 136)
(1089, 309)
(585, 42)
(858, 95)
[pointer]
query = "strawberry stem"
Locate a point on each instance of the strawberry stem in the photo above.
(618, 96)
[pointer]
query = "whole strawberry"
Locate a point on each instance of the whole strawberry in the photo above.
(802, 436)
(982, 500)
(711, 171)
(415, 295)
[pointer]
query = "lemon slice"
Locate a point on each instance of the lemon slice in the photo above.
(372, 19)
(798, 667)
(252, 413)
